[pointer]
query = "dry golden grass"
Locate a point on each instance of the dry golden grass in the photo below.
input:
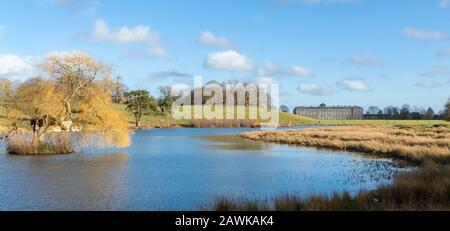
(3, 130)
(412, 143)
(235, 123)
(25, 144)
(425, 189)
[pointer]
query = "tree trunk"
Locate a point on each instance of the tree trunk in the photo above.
(138, 119)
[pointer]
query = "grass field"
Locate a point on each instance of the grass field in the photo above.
(155, 120)
(286, 119)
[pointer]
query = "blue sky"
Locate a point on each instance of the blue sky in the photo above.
(341, 52)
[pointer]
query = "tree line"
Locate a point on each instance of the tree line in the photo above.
(142, 102)
(406, 112)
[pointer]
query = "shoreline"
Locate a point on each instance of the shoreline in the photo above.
(424, 188)
(431, 143)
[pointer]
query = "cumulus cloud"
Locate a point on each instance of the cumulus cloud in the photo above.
(130, 35)
(444, 3)
(424, 34)
(443, 53)
(366, 60)
(314, 89)
(85, 6)
(353, 85)
(266, 80)
(229, 60)
(15, 67)
(301, 71)
(209, 39)
(270, 69)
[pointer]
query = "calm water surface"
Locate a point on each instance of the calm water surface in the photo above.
(173, 169)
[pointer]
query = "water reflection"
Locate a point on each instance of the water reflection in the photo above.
(174, 169)
(79, 181)
(233, 143)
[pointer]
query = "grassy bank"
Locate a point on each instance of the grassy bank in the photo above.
(412, 143)
(425, 189)
(286, 120)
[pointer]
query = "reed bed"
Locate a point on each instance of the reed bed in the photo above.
(426, 189)
(26, 144)
(412, 143)
(233, 123)
(3, 130)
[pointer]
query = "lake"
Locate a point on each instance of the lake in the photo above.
(174, 169)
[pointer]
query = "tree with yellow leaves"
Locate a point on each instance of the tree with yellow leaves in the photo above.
(71, 97)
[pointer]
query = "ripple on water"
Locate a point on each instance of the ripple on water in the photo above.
(172, 169)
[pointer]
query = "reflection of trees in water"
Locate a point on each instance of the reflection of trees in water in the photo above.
(78, 181)
(234, 142)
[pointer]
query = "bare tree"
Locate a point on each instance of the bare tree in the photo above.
(6, 90)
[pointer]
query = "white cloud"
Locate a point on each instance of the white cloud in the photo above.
(125, 35)
(209, 39)
(444, 3)
(353, 85)
(367, 60)
(266, 80)
(229, 60)
(15, 67)
(270, 69)
(85, 6)
(301, 71)
(315, 89)
(443, 53)
(424, 34)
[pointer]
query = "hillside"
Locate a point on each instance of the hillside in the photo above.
(155, 120)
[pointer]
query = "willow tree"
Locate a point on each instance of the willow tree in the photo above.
(70, 97)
